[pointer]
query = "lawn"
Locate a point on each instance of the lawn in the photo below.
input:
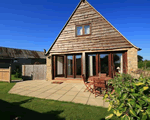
(15, 78)
(29, 108)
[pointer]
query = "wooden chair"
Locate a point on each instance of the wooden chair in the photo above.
(99, 83)
(87, 84)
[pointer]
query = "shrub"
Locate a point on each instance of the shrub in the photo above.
(131, 98)
(18, 73)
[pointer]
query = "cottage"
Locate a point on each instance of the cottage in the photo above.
(88, 44)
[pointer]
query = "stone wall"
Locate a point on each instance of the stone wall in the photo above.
(132, 60)
(49, 69)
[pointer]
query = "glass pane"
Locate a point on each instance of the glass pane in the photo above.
(79, 30)
(87, 29)
(104, 63)
(59, 65)
(78, 64)
(92, 64)
(69, 64)
(118, 62)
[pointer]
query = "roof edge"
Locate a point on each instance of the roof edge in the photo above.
(65, 26)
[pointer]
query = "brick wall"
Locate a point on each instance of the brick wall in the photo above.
(132, 60)
(49, 69)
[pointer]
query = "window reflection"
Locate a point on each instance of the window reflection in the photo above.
(79, 30)
(69, 64)
(92, 64)
(104, 63)
(118, 62)
(78, 64)
(87, 29)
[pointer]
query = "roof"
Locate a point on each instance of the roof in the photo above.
(85, 1)
(20, 53)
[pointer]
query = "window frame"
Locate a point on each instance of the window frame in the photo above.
(83, 31)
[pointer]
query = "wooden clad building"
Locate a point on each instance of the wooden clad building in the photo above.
(88, 44)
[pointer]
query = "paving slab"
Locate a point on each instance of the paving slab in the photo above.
(68, 98)
(25, 92)
(72, 93)
(43, 95)
(82, 100)
(96, 102)
(54, 96)
(83, 94)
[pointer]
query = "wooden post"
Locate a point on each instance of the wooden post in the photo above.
(9, 74)
(125, 64)
(97, 64)
(84, 63)
(65, 66)
(110, 64)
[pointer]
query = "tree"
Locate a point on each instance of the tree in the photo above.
(140, 58)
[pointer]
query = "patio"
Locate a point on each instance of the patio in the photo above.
(70, 92)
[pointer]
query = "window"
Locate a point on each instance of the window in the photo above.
(15, 61)
(83, 30)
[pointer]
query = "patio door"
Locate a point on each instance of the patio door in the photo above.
(60, 66)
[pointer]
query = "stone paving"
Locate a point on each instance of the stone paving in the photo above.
(71, 92)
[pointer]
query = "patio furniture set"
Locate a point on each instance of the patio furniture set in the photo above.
(97, 85)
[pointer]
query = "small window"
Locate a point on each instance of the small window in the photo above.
(83, 30)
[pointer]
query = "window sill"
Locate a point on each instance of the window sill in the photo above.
(83, 35)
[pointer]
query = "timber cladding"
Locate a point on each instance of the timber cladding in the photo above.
(103, 34)
(5, 74)
(34, 72)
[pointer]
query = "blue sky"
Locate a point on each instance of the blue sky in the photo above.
(34, 24)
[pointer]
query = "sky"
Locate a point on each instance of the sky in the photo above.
(34, 24)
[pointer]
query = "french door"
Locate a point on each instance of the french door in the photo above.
(74, 66)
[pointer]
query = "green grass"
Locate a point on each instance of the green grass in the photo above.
(29, 108)
(15, 78)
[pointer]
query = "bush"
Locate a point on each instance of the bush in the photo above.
(144, 64)
(130, 99)
(18, 73)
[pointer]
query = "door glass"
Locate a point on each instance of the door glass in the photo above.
(78, 64)
(92, 64)
(118, 62)
(104, 63)
(69, 65)
(59, 65)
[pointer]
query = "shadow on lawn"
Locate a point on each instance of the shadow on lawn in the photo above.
(9, 111)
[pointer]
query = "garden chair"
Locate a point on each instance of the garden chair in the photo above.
(87, 84)
(99, 83)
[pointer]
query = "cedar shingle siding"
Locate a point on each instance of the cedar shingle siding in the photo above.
(103, 35)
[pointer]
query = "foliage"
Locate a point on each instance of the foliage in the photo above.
(130, 100)
(144, 64)
(18, 73)
(140, 58)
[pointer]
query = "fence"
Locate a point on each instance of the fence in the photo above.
(5, 74)
(34, 72)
